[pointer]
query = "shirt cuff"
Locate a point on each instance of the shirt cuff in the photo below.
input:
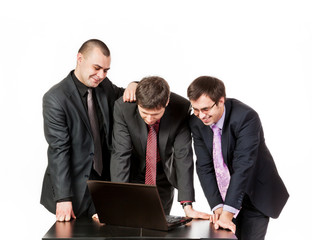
(68, 199)
(218, 206)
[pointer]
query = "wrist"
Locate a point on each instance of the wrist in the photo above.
(227, 215)
(186, 204)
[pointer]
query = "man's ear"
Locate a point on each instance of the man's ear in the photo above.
(168, 101)
(221, 100)
(79, 57)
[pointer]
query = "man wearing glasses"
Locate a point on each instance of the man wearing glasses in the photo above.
(236, 170)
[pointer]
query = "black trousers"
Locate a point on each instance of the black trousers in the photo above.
(251, 224)
(166, 192)
(87, 208)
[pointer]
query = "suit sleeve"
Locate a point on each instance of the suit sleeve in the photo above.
(118, 91)
(122, 147)
(205, 168)
(244, 157)
(57, 136)
(183, 156)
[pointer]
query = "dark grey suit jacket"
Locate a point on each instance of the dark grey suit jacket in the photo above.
(253, 171)
(174, 143)
(69, 135)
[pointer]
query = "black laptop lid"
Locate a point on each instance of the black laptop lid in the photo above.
(128, 204)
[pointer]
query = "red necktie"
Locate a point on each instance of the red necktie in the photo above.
(151, 156)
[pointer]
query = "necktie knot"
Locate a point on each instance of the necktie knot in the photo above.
(89, 93)
(155, 127)
(215, 128)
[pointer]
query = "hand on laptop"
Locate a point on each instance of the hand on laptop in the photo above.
(190, 212)
(64, 211)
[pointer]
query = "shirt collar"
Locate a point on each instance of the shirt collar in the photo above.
(83, 89)
(221, 121)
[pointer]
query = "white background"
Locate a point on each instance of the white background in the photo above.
(262, 50)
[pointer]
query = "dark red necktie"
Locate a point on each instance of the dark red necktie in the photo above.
(151, 156)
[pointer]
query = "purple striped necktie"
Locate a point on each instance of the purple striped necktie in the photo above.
(221, 170)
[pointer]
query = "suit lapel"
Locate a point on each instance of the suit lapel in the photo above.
(103, 104)
(141, 125)
(164, 130)
(225, 133)
(208, 136)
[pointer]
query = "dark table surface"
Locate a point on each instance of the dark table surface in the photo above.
(91, 229)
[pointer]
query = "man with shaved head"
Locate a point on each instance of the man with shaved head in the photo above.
(78, 122)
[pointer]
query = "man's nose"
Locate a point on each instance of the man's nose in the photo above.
(149, 118)
(201, 115)
(101, 74)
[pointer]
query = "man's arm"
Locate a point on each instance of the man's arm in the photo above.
(128, 93)
(122, 147)
(247, 136)
(183, 156)
(204, 163)
(244, 158)
(57, 136)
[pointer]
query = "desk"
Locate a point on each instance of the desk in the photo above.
(90, 229)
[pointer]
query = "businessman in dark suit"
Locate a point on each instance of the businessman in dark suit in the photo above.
(247, 182)
(76, 152)
(164, 114)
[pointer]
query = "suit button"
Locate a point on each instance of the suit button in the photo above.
(91, 154)
(86, 176)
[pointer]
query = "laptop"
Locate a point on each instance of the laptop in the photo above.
(131, 205)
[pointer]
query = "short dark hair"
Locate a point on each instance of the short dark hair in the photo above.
(205, 85)
(152, 92)
(92, 43)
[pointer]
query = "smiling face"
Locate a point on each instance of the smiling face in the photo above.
(92, 67)
(208, 111)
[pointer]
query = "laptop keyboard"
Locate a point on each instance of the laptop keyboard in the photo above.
(173, 219)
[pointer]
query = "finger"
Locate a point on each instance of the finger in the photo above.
(125, 97)
(216, 226)
(60, 218)
(215, 218)
(67, 217)
(232, 228)
(206, 216)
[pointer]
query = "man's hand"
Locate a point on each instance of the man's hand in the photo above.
(64, 211)
(225, 221)
(129, 93)
(216, 215)
(190, 212)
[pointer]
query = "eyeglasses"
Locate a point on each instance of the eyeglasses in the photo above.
(205, 110)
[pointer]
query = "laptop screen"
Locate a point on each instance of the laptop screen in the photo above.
(128, 204)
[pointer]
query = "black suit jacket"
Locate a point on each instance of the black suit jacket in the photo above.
(253, 171)
(69, 135)
(174, 143)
